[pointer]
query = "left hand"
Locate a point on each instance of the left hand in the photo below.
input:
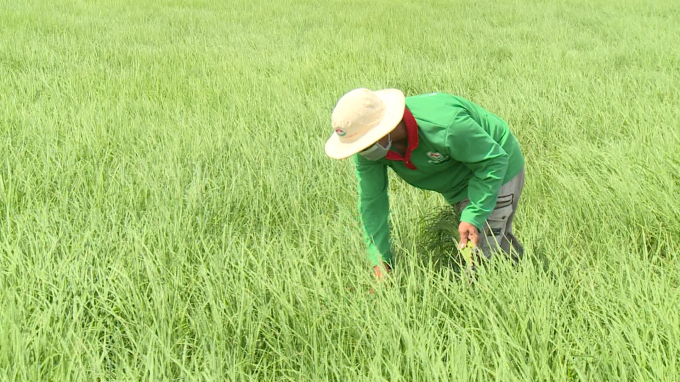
(468, 232)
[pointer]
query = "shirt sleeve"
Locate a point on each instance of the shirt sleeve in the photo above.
(374, 208)
(471, 145)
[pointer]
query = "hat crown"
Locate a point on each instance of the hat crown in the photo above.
(356, 113)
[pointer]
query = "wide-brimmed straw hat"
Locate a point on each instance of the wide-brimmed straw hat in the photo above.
(361, 117)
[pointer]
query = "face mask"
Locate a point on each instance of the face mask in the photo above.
(376, 151)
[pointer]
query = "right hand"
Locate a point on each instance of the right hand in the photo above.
(381, 271)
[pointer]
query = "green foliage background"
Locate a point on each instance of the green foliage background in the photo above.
(167, 211)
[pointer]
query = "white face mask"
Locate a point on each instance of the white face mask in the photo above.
(376, 151)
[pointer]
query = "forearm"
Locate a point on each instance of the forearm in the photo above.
(374, 210)
(483, 191)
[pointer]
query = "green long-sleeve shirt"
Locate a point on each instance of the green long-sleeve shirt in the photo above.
(461, 151)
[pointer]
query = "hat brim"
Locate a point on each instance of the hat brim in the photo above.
(395, 102)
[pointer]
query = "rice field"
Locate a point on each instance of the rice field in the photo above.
(167, 212)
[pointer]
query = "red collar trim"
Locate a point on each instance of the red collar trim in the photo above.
(412, 136)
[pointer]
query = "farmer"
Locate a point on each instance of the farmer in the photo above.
(438, 142)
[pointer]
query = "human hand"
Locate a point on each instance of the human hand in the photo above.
(468, 232)
(381, 271)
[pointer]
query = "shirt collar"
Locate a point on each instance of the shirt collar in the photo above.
(412, 136)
